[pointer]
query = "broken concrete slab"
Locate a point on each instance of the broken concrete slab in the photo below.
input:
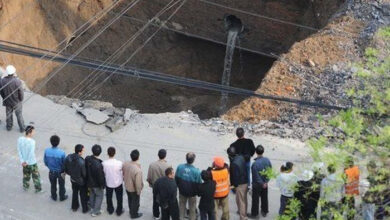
(129, 113)
(97, 104)
(115, 123)
(94, 116)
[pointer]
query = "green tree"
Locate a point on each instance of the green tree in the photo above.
(363, 131)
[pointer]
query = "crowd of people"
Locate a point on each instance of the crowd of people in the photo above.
(91, 176)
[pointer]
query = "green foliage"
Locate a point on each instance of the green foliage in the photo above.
(384, 32)
(291, 211)
(364, 130)
(269, 173)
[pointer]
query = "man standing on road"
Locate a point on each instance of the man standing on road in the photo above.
(26, 150)
(75, 168)
(165, 190)
(239, 180)
(114, 182)
(157, 170)
(246, 148)
(220, 174)
(12, 93)
(187, 179)
(95, 180)
(133, 181)
(260, 183)
(54, 160)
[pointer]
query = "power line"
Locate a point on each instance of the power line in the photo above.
(140, 48)
(130, 41)
(160, 77)
(128, 7)
(203, 37)
(116, 54)
(76, 33)
(260, 16)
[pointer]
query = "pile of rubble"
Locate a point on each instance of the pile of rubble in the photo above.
(98, 112)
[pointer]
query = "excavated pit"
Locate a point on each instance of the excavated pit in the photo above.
(190, 45)
(199, 59)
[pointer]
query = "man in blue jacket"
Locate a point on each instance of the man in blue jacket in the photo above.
(260, 183)
(187, 179)
(54, 159)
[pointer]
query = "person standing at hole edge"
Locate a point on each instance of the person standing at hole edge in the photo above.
(75, 168)
(239, 180)
(351, 176)
(286, 181)
(133, 181)
(26, 150)
(187, 179)
(95, 180)
(165, 190)
(220, 174)
(54, 159)
(245, 147)
(260, 183)
(206, 193)
(331, 193)
(114, 182)
(157, 170)
(12, 93)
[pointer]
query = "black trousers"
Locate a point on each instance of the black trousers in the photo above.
(171, 212)
(133, 203)
(55, 177)
(284, 201)
(119, 199)
(349, 202)
(327, 209)
(79, 190)
(259, 192)
(156, 207)
(207, 215)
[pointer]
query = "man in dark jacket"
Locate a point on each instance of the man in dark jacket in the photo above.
(245, 147)
(54, 159)
(75, 168)
(11, 91)
(206, 192)
(187, 179)
(239, 180)
(165, 190)
(95, 180)
(260, 183)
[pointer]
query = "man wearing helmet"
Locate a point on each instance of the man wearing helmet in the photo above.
(12, 93)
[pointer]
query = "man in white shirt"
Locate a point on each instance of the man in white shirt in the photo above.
(114, 180)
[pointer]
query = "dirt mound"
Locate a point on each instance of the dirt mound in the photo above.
(315, 69)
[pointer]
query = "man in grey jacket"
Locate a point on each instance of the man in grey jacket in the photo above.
(12, 93)
(260, 183)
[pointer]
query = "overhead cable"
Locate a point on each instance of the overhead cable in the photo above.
(77, 33)
(161, 77)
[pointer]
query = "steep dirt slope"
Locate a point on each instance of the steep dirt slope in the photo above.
(318, 68)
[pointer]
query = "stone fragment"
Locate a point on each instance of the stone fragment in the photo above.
(177, 26)
(128, 115)
(115, 123)
(94, 116)
(97, 104)
(76, 106)
(119, 111)
(311, 63)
